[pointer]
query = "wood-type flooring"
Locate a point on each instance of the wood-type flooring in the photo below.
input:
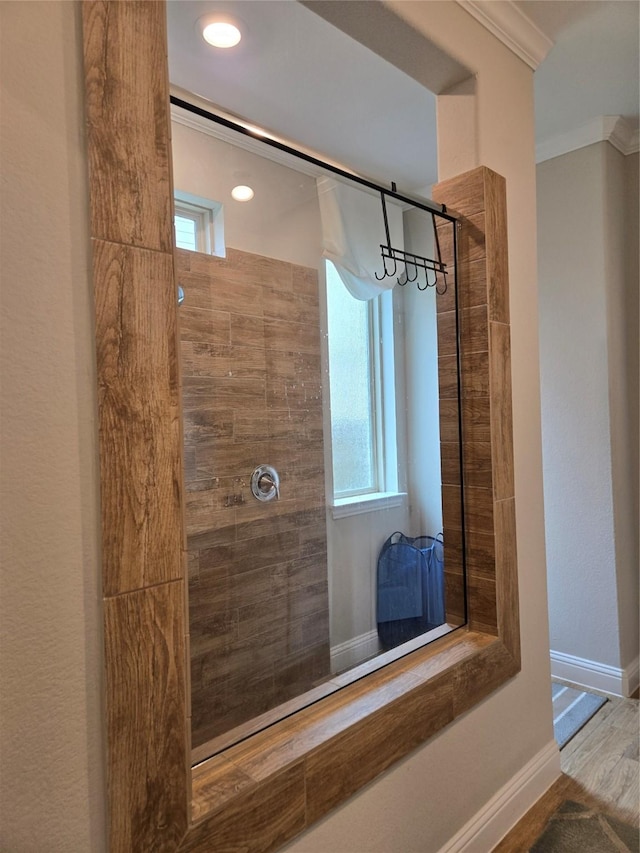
(599, 768)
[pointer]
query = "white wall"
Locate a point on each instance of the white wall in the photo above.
(576, 430)
(632, 254)
(622, 234)
(585, 288)
(52, 762)
(52, 789)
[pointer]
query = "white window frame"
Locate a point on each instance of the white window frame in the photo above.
(208, 216)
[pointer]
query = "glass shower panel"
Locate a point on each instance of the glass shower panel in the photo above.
(349, 428)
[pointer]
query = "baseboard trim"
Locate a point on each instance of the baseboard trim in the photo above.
(594, 675)
(490, 825)
(354, 651)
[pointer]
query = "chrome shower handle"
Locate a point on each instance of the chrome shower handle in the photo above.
(265, 483)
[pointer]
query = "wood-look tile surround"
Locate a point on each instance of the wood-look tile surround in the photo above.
(486, 392)
(257, 795)
(251, 395)
(139, 423)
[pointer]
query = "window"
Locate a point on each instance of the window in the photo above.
(362, 393)
(199, 224)
(187, 231)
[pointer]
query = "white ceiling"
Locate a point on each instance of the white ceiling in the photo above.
(297, 75)
(592, 69)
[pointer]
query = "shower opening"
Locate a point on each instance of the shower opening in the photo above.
(322, 428)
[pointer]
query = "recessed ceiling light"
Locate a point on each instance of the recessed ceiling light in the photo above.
(221, 34)
(242, 193)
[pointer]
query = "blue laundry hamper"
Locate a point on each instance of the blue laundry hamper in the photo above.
(410, 587)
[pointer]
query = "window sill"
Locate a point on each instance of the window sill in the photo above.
(343, 507)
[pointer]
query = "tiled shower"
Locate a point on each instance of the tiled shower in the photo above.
(252, 395)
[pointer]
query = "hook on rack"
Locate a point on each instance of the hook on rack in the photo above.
(408, 279)
(386, 273)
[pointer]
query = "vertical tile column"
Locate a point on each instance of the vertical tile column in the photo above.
(139, 425)
(479, 198)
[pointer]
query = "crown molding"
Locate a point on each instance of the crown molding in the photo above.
(512, 27)
(623, 137)
(613, 129)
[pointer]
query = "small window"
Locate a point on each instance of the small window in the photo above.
(186, 232)
(199, 224)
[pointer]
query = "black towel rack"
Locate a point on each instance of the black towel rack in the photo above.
(393, 256)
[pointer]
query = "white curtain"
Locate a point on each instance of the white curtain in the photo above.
(352, 231)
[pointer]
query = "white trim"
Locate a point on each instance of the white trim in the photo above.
(512, 27)
(359, 504)
(594, 675)
(613, 129)
(490, 825)
(354, 651)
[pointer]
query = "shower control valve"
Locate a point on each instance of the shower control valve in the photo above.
(265, 483)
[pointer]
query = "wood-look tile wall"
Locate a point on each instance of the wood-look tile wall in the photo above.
(479, 197)
(252, 395)
(139, 422)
